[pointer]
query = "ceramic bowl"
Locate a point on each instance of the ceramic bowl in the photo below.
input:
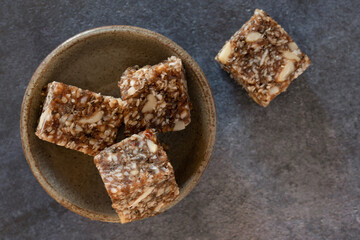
(95, 60)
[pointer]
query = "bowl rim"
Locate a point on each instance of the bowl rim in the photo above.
(25, 132)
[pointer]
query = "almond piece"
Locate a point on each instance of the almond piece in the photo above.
(264, 57)
(274, 90)
(293, 46)
(142, 196)
(150, 104)
(83, 99)
(290, 55)
(93, 118)
(152, 146)
(179, 125)
(253, 36)
(148, 117)
(78, 129)
(157, 209)
(286, 71)
(131, 91)
(225, 53)
(45, 116)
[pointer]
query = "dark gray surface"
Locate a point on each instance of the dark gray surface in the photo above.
(289, 171)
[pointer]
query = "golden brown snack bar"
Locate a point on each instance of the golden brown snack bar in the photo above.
(263, 58)
(137, 176)
(79, 119)
(155, 97)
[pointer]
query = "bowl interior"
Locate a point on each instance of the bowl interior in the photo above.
(95, 60)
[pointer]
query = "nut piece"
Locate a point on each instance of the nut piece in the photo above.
(131, 91)
(253, 36)
(290, 55)
(293, 46)
(152, 146)
(45, 116)
(150, 104)
(263, 57)
(286, 71)
(274, 90)
(179, 125)
(142, 196)
(93, 118)
(225, 53)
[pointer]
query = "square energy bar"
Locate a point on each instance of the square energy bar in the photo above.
(263, 58)
(155, 97)
(79, 119)
(137, 176)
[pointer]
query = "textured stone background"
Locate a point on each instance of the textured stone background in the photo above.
(290, 171)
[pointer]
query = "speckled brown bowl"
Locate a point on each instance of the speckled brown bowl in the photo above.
(95, 60)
